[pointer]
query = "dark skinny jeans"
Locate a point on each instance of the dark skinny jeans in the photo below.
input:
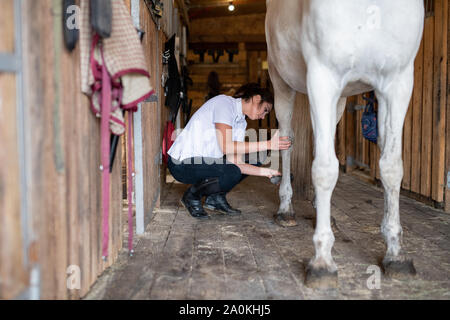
(194, 170)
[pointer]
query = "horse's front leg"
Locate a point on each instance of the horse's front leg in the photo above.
(284, 106)
(324, 93)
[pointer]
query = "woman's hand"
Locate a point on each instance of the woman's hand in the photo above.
(269, 173)
(279, 143)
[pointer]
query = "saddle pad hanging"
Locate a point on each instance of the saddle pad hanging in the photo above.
(114, 75)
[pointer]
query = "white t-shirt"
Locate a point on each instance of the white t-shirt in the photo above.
(199, 139)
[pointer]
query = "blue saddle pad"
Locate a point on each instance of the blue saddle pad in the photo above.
(369, 121)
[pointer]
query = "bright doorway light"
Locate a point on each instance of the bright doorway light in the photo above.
(231, 7)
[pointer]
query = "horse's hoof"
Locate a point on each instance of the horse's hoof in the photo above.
(321, 278)
(399, 268)
(285, 220)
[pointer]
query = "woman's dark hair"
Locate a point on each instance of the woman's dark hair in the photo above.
(213, 85)
(249, 90)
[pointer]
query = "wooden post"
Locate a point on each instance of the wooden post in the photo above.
(446, 93)
(427, 105)
(417, 122)
(350, 139)
(439, 99)
(340, 140)
(302, 154)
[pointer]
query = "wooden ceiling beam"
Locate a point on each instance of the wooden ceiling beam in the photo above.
(252, 38)
(222, 11)
(249, 46)
(221, 3)
(213, 45)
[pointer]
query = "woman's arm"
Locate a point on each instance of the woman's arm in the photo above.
(234, 150)
(230, 147)
(252, 170)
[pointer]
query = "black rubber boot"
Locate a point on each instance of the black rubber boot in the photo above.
(192, 198)
(218, 202)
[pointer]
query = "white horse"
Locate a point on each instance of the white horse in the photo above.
(330, 50)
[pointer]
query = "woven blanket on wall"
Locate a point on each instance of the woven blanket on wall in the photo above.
(125, 61)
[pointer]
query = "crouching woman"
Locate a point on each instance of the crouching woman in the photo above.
(208, 154)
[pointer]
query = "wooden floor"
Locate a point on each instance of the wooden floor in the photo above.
(250, 257)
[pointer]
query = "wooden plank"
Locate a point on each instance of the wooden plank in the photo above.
(224, 78)
(128, 4)
(373, 155)
(407, 143)
(417, 121)
(265, 79)
(365, 157)
(151, 124)
(41, 85)
(439, 99)
(427, 108)
(301, 156)
(252, 77)
(373, 159)
(249, 28)
(7, 27)
(377, 169)
(13, 277)
(65, 154)
(163, 110)
(340, 141)
(447, 190)
(13, 274)
(229, 68)
(350, 139)
(358, 133)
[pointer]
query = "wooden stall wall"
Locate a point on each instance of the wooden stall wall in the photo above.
(302, 152)
(63, 156)
(13, 273)
(164, 116)
(152, 113)
(231, 74)
(243, 35)
(424, 136)
(447, 142)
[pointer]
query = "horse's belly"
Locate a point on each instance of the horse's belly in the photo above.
(355, 88)
(293, 74)
(344, 37)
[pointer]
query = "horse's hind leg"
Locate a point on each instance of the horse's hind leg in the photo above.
(393, 105)
(342, 102)
(284, 105)
(324, 93)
